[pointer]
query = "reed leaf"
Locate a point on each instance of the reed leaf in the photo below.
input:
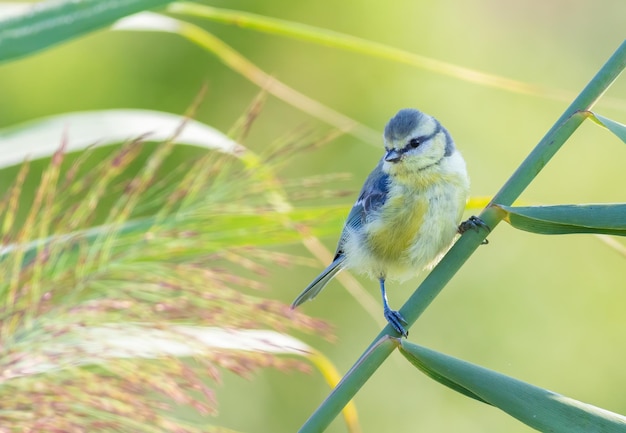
(608, 219)
(536, 407)
(51, 22)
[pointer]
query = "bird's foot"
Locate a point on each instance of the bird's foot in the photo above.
(474, 223)
(396, 320)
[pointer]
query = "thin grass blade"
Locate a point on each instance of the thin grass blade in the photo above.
(149, 21)
(351, 43)
(234, 230)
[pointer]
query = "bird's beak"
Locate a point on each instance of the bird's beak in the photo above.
(393, 156)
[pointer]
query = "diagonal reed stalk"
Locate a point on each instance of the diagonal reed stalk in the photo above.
(376, 353)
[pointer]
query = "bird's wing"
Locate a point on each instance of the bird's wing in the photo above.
(372, 197)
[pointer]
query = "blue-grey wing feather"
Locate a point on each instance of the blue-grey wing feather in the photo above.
(320, 281)
(372, 197)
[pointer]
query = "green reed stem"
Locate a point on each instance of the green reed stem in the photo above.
(376, 353)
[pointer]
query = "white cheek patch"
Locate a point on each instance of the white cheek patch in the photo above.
(431, 153)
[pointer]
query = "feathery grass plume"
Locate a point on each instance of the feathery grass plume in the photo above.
(122, 284)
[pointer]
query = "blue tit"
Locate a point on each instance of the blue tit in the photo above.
(408, 211)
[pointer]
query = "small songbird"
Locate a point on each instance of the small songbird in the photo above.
(408, 211)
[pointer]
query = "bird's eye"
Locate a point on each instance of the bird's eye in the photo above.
(414, 142)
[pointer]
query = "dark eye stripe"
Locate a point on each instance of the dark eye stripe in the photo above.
(422, 139)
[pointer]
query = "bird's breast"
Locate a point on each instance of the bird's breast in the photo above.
(414, 226)
(390, 233)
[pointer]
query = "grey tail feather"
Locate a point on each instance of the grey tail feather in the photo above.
(320, 282)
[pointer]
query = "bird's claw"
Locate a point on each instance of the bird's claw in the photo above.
(474, 223)
(396, 320)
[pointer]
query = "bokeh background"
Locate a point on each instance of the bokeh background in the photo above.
(547, 310)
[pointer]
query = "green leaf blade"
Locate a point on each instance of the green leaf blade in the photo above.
(52, 22)
(536, 407)
(609, 219)
(615, 127)
(425, 368)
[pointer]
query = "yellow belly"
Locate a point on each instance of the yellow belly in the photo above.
(394, 232)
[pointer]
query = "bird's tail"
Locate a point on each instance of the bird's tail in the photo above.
(320, 282)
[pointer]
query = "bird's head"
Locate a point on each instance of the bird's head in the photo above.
(414, 141)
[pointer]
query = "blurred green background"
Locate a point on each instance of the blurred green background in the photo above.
(547, 310)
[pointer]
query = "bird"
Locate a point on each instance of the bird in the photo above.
(408, 211)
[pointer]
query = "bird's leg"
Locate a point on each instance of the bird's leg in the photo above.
(474, 223)
(394, 318)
